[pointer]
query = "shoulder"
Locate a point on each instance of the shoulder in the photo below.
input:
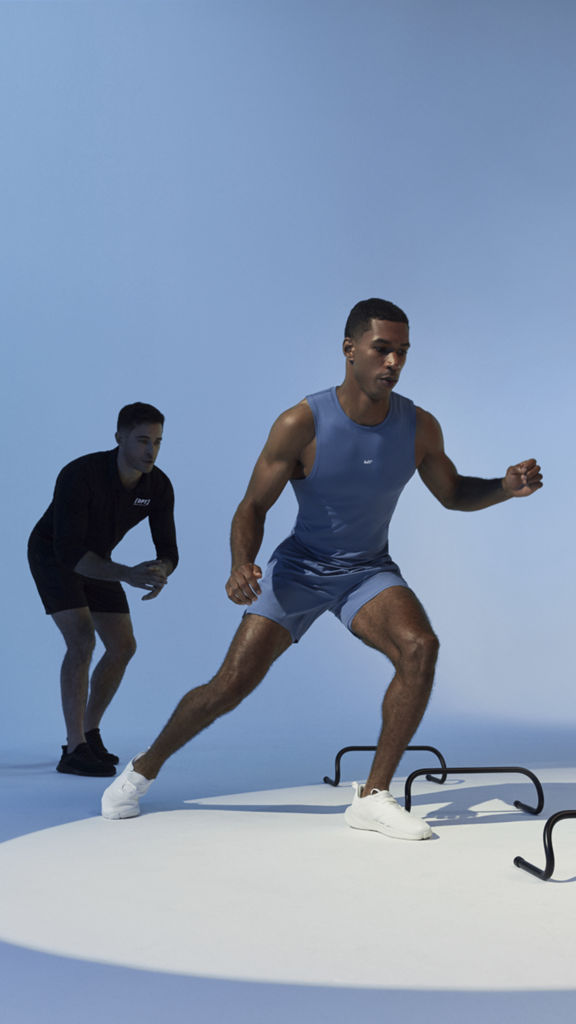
(291, 432)
(298, 419)
(426, 423)
(87, 465)
(429, 438)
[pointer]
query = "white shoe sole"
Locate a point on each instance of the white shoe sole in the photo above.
(116, 815)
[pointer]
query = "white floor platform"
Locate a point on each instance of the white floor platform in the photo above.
(272, 887)
(264, 906)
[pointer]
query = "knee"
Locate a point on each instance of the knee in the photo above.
(130, 648)
(420, 650)
(122, 650)
(80, 647)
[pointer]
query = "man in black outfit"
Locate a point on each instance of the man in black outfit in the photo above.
(97, 499)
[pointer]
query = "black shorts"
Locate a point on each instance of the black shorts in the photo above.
(61, 588)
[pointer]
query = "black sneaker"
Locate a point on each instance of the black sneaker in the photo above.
(83, 762)
(94, 741)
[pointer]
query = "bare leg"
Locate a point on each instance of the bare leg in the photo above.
(395, 623)
(256, 645)
(78, 631)
(115, 632)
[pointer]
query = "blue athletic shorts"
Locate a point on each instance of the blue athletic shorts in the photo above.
(297, 589)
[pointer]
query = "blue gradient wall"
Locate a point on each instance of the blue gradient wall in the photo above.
(194, 195)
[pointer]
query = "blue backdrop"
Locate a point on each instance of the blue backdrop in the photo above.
(194, 195)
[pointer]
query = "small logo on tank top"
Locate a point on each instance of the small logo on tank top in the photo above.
(368, 462)
(141, 501)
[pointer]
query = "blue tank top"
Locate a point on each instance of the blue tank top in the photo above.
(346, 503)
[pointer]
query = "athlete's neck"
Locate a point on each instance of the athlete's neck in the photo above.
(360, 407)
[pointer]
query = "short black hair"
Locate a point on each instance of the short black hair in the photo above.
(139, 412)
(372, 309)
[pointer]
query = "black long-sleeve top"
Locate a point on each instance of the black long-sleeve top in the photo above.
(92, 511)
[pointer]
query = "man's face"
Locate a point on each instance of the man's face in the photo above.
(376, 357)
(139, 447)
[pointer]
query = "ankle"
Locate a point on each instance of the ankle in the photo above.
(384, 787)
(142, 765)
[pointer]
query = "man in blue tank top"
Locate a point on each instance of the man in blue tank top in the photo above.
(347, 452)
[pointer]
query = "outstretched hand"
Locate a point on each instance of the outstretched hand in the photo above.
(522, 479)
(242, 586)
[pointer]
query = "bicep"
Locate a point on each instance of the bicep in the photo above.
(440, 476)
(436, 469)
(269, 478)
(280, 456)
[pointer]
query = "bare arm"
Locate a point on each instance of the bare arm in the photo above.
(277, 464)
(466, 493)
(149, 576)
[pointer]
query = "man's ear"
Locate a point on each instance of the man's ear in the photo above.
(348, 349)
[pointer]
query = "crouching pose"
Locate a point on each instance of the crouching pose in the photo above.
(97, 499)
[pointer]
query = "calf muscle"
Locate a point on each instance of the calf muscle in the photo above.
(395, 623)
(257, 644)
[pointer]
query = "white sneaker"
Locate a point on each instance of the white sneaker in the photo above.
(380, 812)
(121, 799)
